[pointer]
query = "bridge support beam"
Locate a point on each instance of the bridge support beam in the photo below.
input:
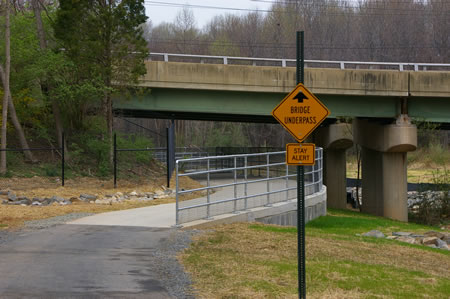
(335, 140)
(384, 176)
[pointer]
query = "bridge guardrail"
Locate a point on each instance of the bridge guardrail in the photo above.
(401, 66)
(242, 176)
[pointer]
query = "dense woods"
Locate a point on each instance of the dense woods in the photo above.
(60, 62)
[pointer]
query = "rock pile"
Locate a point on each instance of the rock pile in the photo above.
(433, 197)
(432, 239)
(10, 198)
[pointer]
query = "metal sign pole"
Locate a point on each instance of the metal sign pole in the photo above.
(301, 183)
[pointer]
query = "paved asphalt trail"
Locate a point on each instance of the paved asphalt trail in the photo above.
(83, 261)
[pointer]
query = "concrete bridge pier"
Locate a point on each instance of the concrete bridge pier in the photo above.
(335, 139)
(384, 176)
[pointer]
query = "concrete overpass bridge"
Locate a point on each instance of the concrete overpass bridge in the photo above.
(381, 98)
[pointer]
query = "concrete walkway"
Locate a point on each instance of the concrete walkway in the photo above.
(163, 216)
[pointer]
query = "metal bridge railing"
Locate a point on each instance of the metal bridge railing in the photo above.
(401, 66)
(247, 181)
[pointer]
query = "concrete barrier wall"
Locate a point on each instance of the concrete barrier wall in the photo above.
(315, 205)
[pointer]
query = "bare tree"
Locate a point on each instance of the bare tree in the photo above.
(5, 88)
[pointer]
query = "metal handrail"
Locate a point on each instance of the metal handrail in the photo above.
(315, 172)
(342, 64)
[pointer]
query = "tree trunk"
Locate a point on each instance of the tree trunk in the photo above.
(39, 26)
(44, 86)
(12, 110)
(6, 90)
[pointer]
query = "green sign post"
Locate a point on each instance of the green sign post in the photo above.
(301, 182)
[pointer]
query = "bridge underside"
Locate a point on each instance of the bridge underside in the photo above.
(242, 106)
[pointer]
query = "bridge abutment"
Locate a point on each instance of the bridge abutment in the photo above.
(335, 139)
(384, 162)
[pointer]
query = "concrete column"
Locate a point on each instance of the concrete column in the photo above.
(384, 176)
(335, 140)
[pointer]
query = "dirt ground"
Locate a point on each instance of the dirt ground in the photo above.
(13, 217)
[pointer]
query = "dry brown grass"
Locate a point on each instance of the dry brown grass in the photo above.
(13, 217)
(237, 261)
(417, 172)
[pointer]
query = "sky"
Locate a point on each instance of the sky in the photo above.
(158, 11)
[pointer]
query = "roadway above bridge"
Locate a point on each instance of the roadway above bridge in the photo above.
(249, 93)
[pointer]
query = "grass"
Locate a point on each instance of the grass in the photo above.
(248, 260)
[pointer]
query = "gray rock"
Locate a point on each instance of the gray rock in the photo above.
(88, 197)
(5, 202)
(417, 236)
(36, 203)
(4, 192)
(446, 239)
(374, 233)
(109, 195)
(58, 199)
(66, 202)
(430, 241)
(432, 246)
(436, 234)
(24, 200)
(402, 234)
(11, 196)
(441, 244)
(49, 201)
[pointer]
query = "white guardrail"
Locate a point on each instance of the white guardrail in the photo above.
(236, 183)
(401, 66)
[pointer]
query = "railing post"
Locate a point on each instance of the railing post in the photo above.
(208, 184)
(235, 185)
(177, 189)
(268, 182)
(115, 160)
(416, 67)
(401, 67)
(245, 185)
(287, 182)
(283, 63)
(225, 60)
(342, 66)
(166, 57)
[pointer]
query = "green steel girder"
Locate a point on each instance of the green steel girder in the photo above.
(254, 106)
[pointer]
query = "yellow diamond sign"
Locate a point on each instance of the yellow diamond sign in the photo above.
(300, 112)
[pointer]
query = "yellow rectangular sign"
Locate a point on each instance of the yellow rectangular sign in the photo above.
(300, 154)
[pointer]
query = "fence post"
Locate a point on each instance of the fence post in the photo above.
(115, 160)
(62, 158)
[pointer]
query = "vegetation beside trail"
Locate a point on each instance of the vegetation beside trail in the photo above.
(249, 260)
